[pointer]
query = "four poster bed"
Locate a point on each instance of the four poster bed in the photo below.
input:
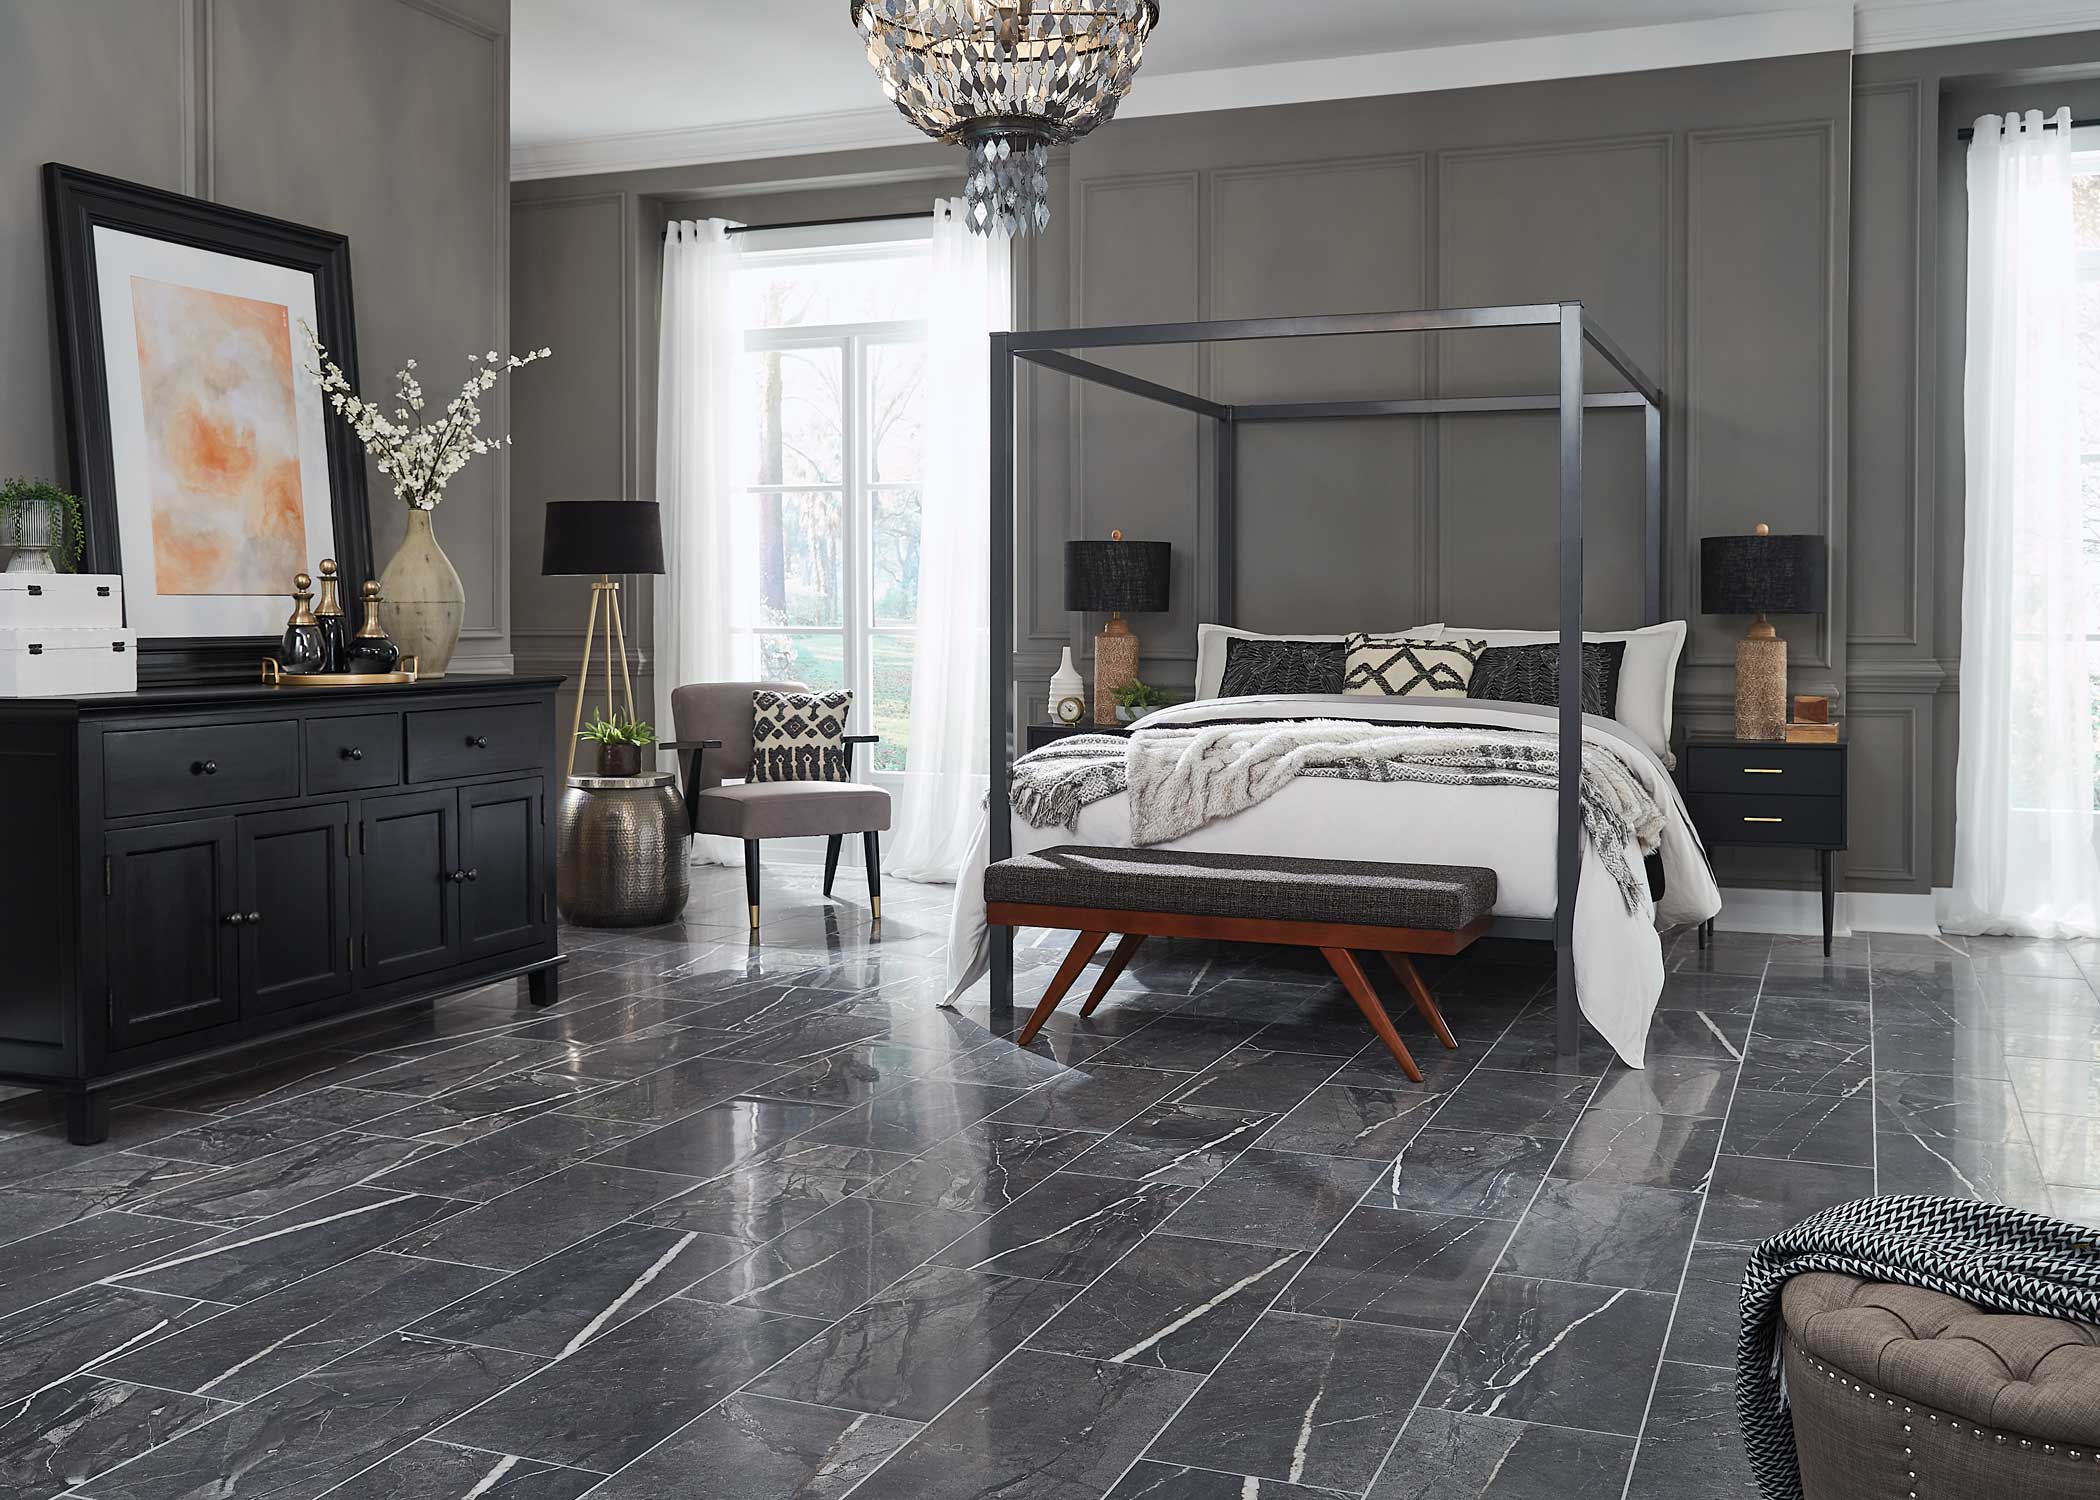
(1600, 784)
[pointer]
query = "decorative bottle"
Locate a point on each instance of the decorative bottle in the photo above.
(371, 653)
(304, 651)
(328, 614)
(1067, 692)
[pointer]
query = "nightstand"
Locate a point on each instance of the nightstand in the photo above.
(1040, 735)
(1768, 793)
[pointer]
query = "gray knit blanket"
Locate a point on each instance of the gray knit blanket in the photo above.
(2004, 1259)
(1184, 776)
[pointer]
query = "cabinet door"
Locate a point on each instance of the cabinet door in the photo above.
(295, 896)
(408, 850)
(503, 839)
(173, 943)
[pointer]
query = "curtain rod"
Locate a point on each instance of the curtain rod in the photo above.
(923, 213)
(1968, 132)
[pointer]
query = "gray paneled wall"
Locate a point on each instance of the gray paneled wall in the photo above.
(386, 119)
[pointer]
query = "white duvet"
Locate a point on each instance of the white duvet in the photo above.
(1618, 954)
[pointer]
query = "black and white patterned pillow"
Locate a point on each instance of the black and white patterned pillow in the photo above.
(1401, 667)
(1256, 666)
(799, 736)
(1531, 674)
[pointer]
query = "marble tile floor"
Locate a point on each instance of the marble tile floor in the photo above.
(752, 1221)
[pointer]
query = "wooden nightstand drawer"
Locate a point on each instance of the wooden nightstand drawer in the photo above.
(1765, 771)
(1723, 818)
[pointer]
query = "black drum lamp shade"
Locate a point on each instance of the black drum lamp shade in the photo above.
(1117, 576)
(602, 537)
(1763, 574)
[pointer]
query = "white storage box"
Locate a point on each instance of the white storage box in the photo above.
(61, 601)
(67, 663)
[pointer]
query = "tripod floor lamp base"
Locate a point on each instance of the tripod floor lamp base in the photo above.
(597, 539)
(605, 605)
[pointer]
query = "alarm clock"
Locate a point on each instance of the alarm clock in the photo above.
(1069, 709)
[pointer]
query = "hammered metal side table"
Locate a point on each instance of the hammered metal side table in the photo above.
(621, 849)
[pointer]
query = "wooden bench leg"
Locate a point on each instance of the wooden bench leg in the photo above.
(1112, 970)
(1359, 986)
(1424, 1001)
(1068, 971)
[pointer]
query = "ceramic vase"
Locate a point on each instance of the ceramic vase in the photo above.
(1067, 685)
(424, 600)
(31, 537)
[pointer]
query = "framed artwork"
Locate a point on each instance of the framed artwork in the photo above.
(208, 469)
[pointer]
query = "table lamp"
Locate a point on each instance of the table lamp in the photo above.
(1756, 575)
(1115, 576)
(602, 537)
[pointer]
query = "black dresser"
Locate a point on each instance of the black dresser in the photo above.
(188, 871)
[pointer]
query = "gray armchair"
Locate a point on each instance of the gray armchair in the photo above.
(713, 724)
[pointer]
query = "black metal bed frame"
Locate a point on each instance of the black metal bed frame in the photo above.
(1053, 350)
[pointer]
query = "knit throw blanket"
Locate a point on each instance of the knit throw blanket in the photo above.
(2003, 1259)
(1181, 777)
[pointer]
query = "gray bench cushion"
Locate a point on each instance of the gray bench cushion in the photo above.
(1434, 898)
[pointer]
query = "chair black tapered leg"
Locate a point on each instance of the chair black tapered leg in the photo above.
(871, 844)
(751, 879)
(831, 859)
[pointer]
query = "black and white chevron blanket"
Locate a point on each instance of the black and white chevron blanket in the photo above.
(1182, 776)
(2004, 1259)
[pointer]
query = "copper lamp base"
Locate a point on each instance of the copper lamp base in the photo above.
(1115, 665)
(1760, 683)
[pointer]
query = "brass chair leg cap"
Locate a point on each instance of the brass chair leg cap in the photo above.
(877, 904)
(754, 919)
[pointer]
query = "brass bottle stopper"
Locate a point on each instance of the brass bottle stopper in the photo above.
(302, 599)
(371, 629)
(330, 604)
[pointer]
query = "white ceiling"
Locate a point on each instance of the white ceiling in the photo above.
(597, 84)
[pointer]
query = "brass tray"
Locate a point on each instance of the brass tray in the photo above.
(275, 676)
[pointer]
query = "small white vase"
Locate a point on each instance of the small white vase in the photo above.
(424, 602)
(1067, 686)
(32, 536)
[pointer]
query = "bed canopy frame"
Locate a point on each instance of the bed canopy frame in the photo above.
(1054, 350)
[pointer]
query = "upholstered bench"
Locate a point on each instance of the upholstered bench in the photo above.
(1335, 905)
(1897, 1391)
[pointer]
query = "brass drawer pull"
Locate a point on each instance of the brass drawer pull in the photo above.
(1764, 820)
(1764, 771)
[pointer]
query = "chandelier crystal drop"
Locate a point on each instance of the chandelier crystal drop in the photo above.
(1009, 79)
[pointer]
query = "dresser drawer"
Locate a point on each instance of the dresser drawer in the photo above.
(1777, 770)
(211, 765)
(352, 752)
(1816, 822)
(449, 742)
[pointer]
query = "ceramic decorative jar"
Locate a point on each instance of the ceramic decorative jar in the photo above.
(1067, 692)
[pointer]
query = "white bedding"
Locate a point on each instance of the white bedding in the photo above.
(1618, 955)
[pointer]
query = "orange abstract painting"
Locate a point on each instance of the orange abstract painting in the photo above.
(222, 438)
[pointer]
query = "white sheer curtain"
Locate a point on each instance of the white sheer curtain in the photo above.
(2024, 861)
(945, 768)
(696, 440)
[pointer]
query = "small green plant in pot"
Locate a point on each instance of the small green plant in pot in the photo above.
(620, 740)
(1135, 699)
(39, 521)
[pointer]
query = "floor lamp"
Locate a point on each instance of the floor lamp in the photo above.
(602, 538)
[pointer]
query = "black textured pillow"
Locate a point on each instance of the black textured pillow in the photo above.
(1531, 674)
(799, 736)
(1253, 667)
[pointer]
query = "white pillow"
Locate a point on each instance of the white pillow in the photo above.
(1647, 673)
(1211, 643)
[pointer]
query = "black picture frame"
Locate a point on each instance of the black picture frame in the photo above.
(76, 203)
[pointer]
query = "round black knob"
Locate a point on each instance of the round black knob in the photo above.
(204, 768)
(234, 919)
(353, 753)
(457, 876)
(254, 917)
(473, 874)
(478, 741)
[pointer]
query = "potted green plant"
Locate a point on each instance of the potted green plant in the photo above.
(620, 740)
(1135, 699)
(38, 519)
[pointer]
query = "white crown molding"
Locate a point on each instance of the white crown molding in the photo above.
(1825, 28)
(1946, 23)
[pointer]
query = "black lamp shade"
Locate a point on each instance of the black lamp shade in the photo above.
(1748, 575)
(602, 536)
(1117, 575)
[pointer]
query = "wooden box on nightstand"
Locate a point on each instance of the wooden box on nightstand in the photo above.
(1769, 793)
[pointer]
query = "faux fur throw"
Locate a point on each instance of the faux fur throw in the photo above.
(2004, 1259)
(1181, 778)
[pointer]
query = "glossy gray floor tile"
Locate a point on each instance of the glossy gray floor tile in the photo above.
(802, 1232)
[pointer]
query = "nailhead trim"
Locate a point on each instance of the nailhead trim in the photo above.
(1953, 1426)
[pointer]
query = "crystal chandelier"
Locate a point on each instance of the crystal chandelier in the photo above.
(1009, 79)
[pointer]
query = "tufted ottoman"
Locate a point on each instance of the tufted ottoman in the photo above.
(1899, 1392)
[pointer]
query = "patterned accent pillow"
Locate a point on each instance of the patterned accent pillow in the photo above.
(799, 736)
(1398, 667)
(1531, 674)
(1258, 666)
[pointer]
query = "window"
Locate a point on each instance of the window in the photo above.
(833, 394)
(2085, 207)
